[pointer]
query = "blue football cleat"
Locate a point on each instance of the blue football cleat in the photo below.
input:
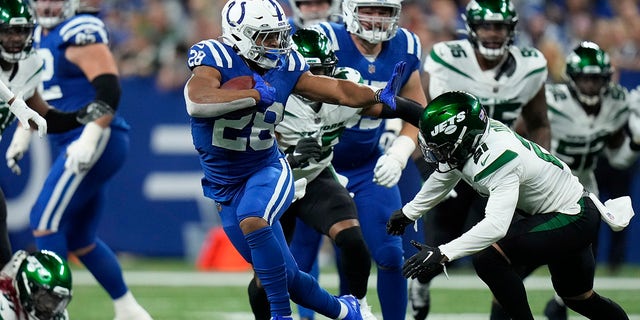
(353, 306)
(282, 318)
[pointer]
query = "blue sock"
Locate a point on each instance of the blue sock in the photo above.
(306, 292)
(55, 242)
(268, 263)
(392, 292)
(104, 266)
(305, 312)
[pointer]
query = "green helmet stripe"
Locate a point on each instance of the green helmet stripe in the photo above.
(439, 60)
(503, 159)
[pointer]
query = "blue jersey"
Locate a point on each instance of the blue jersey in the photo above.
(65, 86)
(359, 141)
(232, 147)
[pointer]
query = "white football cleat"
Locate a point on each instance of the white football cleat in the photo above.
(136, 313)
(365, 310)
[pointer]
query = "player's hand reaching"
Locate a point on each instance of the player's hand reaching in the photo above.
(427, 263)
(80, 153)
(397, 223)
(267, 93)
(17, 148)
(388, 94)
(306, 149)
(20, 109)
(388, 170)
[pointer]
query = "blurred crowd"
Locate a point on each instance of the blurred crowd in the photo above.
(152, 37)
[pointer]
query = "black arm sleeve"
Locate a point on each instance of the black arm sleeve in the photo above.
(406, 109)
(107, 89)
(58, 121)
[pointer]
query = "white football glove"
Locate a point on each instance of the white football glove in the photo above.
(18, 147)
(389, 167)
(80, 153)
(300, 186)
(20, 109)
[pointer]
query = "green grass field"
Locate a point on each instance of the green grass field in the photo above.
(173, 290)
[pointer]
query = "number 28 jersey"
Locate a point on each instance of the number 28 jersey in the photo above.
(235, 145)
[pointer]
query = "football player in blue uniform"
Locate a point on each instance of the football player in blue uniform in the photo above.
(307, 13)
(234, 134)
(79, 70)
(371, 42)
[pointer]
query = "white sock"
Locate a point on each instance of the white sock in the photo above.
(125, 303)
(344, 311)
(363, 301)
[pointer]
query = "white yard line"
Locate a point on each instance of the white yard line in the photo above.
(330, 280)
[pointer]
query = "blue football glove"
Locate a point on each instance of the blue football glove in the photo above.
(426, 263)
(267, 93)
(390, 91)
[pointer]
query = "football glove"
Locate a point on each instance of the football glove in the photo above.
(388, 94)
(428, 262)
(20, 109)
(300, 186)
(267, 93)
(306, 149)
(389, 167)
(397, 223)
(80, 153)
(17, 148)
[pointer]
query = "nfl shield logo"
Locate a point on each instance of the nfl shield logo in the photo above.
(372, 68)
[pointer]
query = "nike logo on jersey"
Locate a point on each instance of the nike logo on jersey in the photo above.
(483, 161)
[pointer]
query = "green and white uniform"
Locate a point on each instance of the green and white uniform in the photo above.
(513, 173)
(326, 124)
(452, 65)
(26, 79)
(578, 138)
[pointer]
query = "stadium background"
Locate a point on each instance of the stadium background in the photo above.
(156, 207)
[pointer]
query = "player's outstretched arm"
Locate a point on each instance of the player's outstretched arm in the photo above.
(348, 93)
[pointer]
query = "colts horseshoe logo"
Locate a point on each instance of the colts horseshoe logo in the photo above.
(242, 11)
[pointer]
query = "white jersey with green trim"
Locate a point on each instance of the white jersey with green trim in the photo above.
(452, 65)
(326, 124)
(514, 173)
(22, 79)
(579, 139)
(8, 310)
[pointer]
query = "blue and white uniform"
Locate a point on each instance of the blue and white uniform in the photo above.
(70, 205)
(248, 176)
(358, 151)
